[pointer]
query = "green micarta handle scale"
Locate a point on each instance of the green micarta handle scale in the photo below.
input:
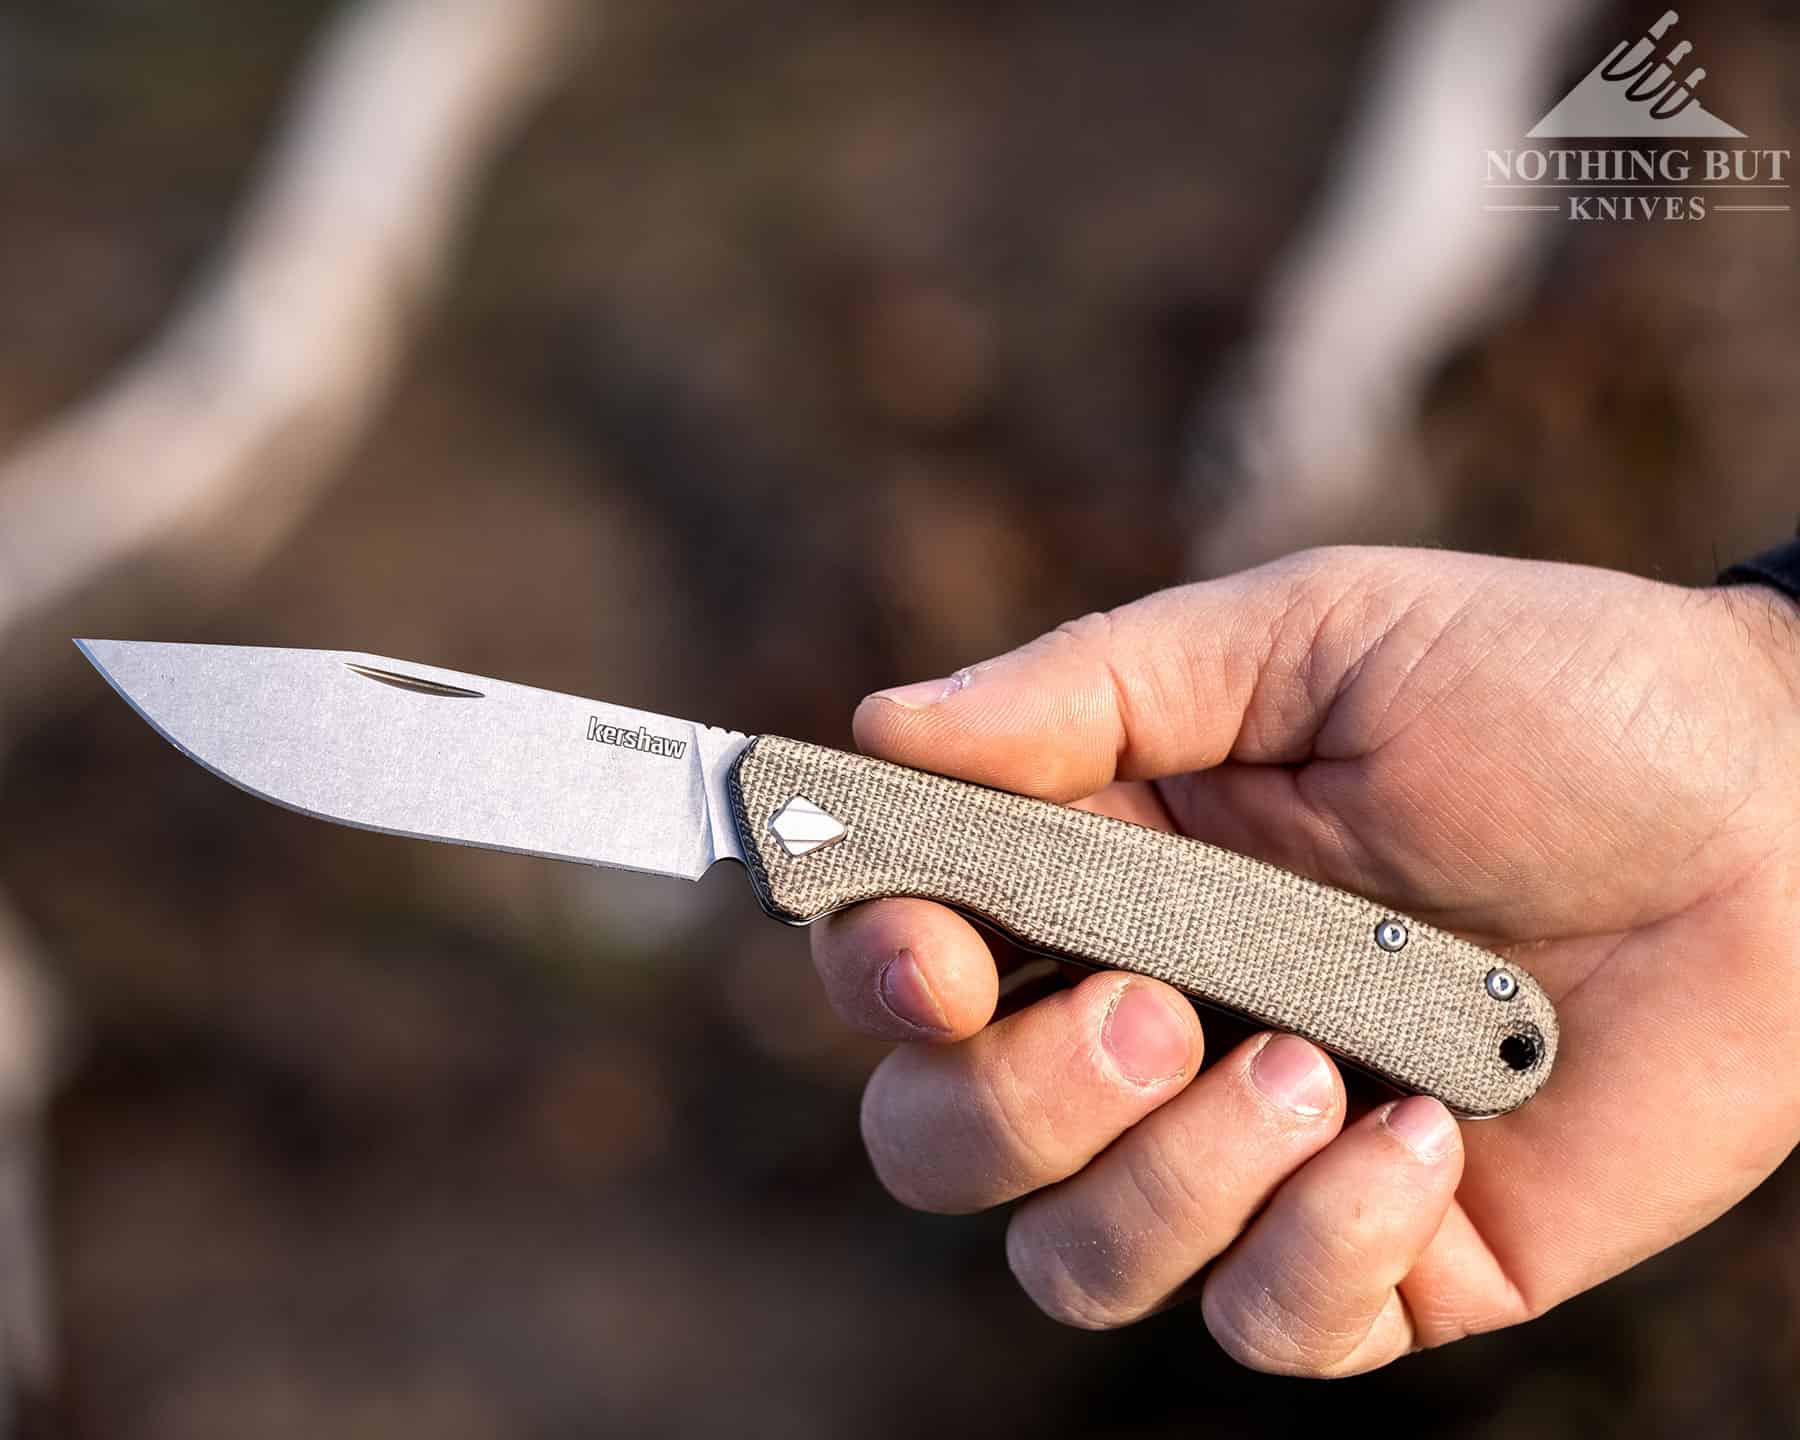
(1419, 1008)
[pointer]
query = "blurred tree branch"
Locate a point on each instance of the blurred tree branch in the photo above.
(1308, 438)
(241, 410)
(213, 443)
(29, 1045)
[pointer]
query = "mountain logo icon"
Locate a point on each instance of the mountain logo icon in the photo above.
(1638, 91)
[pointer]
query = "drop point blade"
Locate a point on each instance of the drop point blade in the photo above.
(416, 750)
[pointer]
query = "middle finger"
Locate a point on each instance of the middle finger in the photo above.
(1032, 1098)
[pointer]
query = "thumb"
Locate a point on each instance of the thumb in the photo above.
(1243, 668)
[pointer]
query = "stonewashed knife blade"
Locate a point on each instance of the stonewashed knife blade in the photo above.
(415, 750)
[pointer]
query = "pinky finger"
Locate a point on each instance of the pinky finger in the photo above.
(1312, 1288)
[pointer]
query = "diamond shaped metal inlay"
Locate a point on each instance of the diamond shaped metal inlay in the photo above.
(802, 827)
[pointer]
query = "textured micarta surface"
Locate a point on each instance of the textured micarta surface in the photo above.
(1228, 930)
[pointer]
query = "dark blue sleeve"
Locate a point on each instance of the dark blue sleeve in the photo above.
(1778, 568)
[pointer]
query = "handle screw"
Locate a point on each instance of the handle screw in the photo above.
(1501, 985)
(1391, 935)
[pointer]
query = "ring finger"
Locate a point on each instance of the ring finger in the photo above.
(1122, 1238)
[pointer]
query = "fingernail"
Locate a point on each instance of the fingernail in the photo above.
(928, 692)
(1423, 1126)
(1145, 1037)
(908, 997)
(1294, 1075)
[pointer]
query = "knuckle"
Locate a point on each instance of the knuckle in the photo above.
(1262, 1328)
(1315, 558)
(1014, 1127)
(1085, 632)
(1240, 1331)
(1087, 645)
(952, 1146)
(1164, 1187)
(1443, 1317)
(1057, 1272)
(901, 1167)
(1100, 1266)
(1095, 638)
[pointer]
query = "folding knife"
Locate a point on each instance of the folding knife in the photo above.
(414, 750)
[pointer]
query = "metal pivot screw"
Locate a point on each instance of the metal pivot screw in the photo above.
(1501, 984)
(1391, 935)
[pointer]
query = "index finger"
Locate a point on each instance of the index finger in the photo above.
(914, 970)
(906, 970)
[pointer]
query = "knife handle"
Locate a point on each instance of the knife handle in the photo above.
(822, 829)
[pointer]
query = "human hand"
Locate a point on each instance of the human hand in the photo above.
(1596, 775)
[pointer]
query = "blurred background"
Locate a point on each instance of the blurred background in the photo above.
(730, 360)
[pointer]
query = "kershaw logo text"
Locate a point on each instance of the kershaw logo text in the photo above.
(639, 739)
